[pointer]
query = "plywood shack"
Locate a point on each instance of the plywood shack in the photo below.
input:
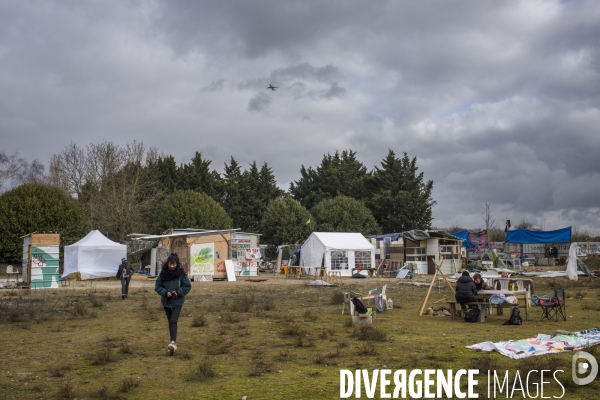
(40, 262)
(202, 253)
(426, 248)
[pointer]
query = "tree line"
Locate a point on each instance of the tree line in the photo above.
(122, 189)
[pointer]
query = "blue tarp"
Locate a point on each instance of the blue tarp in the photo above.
(464, 235)
(524, 236)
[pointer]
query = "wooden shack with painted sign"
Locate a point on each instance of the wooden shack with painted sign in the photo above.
(202, 252)
(41, 260)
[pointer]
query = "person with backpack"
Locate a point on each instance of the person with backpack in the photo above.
(124, 274)
(466, 291)
(172, 285)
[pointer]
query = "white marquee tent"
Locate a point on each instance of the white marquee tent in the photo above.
(337, 251)
(94, 256)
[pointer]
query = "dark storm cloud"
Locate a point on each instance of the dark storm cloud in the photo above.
(259, 103)
(499, 101)
(335, 91)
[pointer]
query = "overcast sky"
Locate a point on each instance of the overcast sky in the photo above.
(498, 100)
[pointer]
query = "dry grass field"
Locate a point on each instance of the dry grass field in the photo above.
(277, 339)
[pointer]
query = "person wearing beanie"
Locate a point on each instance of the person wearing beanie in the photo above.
(172, 285)
(124, 274)
(466, 291)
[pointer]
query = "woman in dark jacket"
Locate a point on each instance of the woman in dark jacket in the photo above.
(124, 274)
(172, 285)
(466, 291)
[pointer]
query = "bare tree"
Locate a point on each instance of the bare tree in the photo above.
(18, 171)
(489, 222)
(112, 183)
(68, 170)
(524, 225)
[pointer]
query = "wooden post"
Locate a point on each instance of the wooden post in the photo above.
(437, 269)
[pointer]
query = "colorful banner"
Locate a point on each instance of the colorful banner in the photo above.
(478, 238)
(542, 344)
(202, 260)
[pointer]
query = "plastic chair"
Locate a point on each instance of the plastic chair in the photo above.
(10, 271)
(383, 296)
(347, 300)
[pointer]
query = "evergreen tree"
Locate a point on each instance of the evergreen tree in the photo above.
(337, 175)
(253, 206)
(167, 172)
(344, 214)
(286, 221)
(37, 208)
(259, 187)
(197, 176)
(268, 185)
(235, 192)
(401, 199)
(190, 209)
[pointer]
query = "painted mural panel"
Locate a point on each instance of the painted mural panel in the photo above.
(202, 259)
(44, 267)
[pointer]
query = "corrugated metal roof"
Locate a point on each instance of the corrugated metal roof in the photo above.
(179, 232)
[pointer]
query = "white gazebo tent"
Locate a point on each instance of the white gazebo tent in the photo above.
(337, 251)
(94, 256)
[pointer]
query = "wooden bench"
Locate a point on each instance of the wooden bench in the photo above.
(482, 308)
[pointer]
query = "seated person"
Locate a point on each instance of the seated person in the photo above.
(466, 291)
(480, 283)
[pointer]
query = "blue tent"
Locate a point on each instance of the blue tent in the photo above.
(464, 235)
(524, 236)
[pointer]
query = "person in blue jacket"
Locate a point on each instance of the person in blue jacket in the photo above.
(172, 285)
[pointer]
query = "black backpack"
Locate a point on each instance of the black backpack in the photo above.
(515, 317)
(359, 306)
(472, 314)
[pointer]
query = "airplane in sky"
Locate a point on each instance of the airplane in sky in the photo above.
(272, 87)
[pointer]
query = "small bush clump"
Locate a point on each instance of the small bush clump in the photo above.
(259, 366)
(241, 304)
(203, 371)
(337, 298)
(366, 349)
(198, 321)
(368, 333)
(102, 356)
(127, 384)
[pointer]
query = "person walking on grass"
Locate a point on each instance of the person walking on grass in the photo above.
(172, 285)
(124, 274)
